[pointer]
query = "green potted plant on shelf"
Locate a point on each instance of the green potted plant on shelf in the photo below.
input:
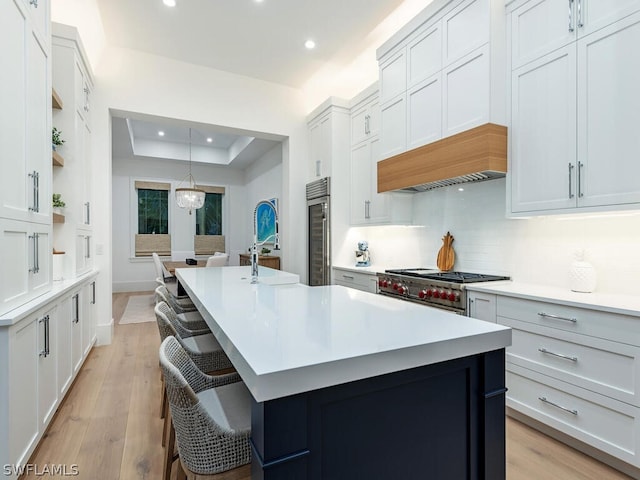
(58, 203)
(265, 251)
(56, 141)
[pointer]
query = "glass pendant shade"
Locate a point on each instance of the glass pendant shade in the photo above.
(190, 197)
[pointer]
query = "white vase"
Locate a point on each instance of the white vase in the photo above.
(582, 275)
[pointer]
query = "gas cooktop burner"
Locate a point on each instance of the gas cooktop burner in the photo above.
(455, 277)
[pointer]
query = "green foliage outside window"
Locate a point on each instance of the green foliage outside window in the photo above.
(209, 217)
(153, 211)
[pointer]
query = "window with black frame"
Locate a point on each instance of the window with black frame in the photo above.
(153, 218)
(209, 217)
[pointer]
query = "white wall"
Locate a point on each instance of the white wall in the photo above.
(264, 182)
(135, 274)
(537, 250)
(131, 81)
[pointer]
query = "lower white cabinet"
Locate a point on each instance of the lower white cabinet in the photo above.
(481, 306)
(575, 369)
(39, 358)
(365, 281)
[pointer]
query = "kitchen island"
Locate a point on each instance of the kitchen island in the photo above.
(349, 384)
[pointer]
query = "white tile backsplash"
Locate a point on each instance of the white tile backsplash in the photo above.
(537, 250)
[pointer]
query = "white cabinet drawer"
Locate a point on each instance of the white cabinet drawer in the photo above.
(602, 366)
(610, 326)
(361, 281)
(597, 420)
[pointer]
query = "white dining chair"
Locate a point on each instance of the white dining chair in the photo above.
(218, 259)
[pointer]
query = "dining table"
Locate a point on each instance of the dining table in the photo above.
(171, 265)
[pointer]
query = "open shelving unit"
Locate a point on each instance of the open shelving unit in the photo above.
(56, 101)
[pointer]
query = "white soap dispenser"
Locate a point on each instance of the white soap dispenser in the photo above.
(582, 275)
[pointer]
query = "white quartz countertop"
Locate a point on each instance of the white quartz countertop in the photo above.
(291, 338)
(606, 302)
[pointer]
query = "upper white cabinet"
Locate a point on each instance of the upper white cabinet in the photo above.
(573, 100)
(72, 80)
(328, 137)
(367, 205)
(442, 74)
(25, 118)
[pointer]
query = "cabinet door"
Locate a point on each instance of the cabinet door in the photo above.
(482, 306)
(320, 146)
(15, 183)
(593, 15)
(424, 55)
(88, 316)
(23, 390)
(360, 182)
(424, 112)
(63, 350)
(393, 127)
(465, 29)
(393, 76)
(379, 203)
(39, 13)
(608, 108)
(538, 28)
(84, 254)
(543, 133)
(76, 331)
(466, 93)
(47, 366)
(38, 147)
(40, 280)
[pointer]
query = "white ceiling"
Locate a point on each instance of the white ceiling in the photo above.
(262, 40)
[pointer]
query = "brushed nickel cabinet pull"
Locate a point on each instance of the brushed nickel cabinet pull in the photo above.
(571, 16)
(557, 317)
(570, 175)
(548, 402)
(559, 355)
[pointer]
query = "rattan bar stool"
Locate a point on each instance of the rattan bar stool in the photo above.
(191, 320)
(211, 417)
(202, 347)
(180, 304)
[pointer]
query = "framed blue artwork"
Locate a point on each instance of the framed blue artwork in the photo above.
(266, 221)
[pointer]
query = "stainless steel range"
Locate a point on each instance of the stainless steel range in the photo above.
(444, 290)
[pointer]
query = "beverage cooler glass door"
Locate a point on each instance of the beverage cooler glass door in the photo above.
(319, 235)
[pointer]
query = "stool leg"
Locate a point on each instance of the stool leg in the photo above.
(181, 473)
(163, 405)
(170, 445)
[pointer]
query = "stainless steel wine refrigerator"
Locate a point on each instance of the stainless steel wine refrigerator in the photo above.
(319, 232)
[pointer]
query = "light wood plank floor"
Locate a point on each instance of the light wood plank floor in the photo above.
(109, 423)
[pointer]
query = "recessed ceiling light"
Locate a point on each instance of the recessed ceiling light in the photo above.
(310, 44)
(169, 3)
(209, 139)
(259, 1)
(460, 189)
(160, 133)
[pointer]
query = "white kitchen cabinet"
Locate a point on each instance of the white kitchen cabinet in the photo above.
(365, 281)
(88, 316)
(453, 78)
(576, 369)
(365, 121)
(47, 324)
(35, 366)
(22, 422)
(329, 130)
(25, 117)
(367, 205)
(465, 29)
(73, 81)
(543, 133)
(76, 330)
(63, 339)
(25, 255)
(393, 126)
(466, 87)
(570, 121)
(424, 112)
(482, 306)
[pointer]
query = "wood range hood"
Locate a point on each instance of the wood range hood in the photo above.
(471, 156)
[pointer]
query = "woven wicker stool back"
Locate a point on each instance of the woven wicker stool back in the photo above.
(205, 447)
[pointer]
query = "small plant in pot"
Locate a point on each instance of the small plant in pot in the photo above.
(58, 203)
(265, 251)
(56, 141)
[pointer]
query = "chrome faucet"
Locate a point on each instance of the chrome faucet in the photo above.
(254, 247)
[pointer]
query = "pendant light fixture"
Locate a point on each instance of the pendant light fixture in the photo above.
(189, 197)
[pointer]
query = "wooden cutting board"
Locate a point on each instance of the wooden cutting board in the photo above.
(446, 255)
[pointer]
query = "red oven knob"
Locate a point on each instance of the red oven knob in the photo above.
(422, 293)
(395, 286)
(452, 296)
(442, 294)
(380, 282)
(402, 289)
(385, 283)
(429, 293)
